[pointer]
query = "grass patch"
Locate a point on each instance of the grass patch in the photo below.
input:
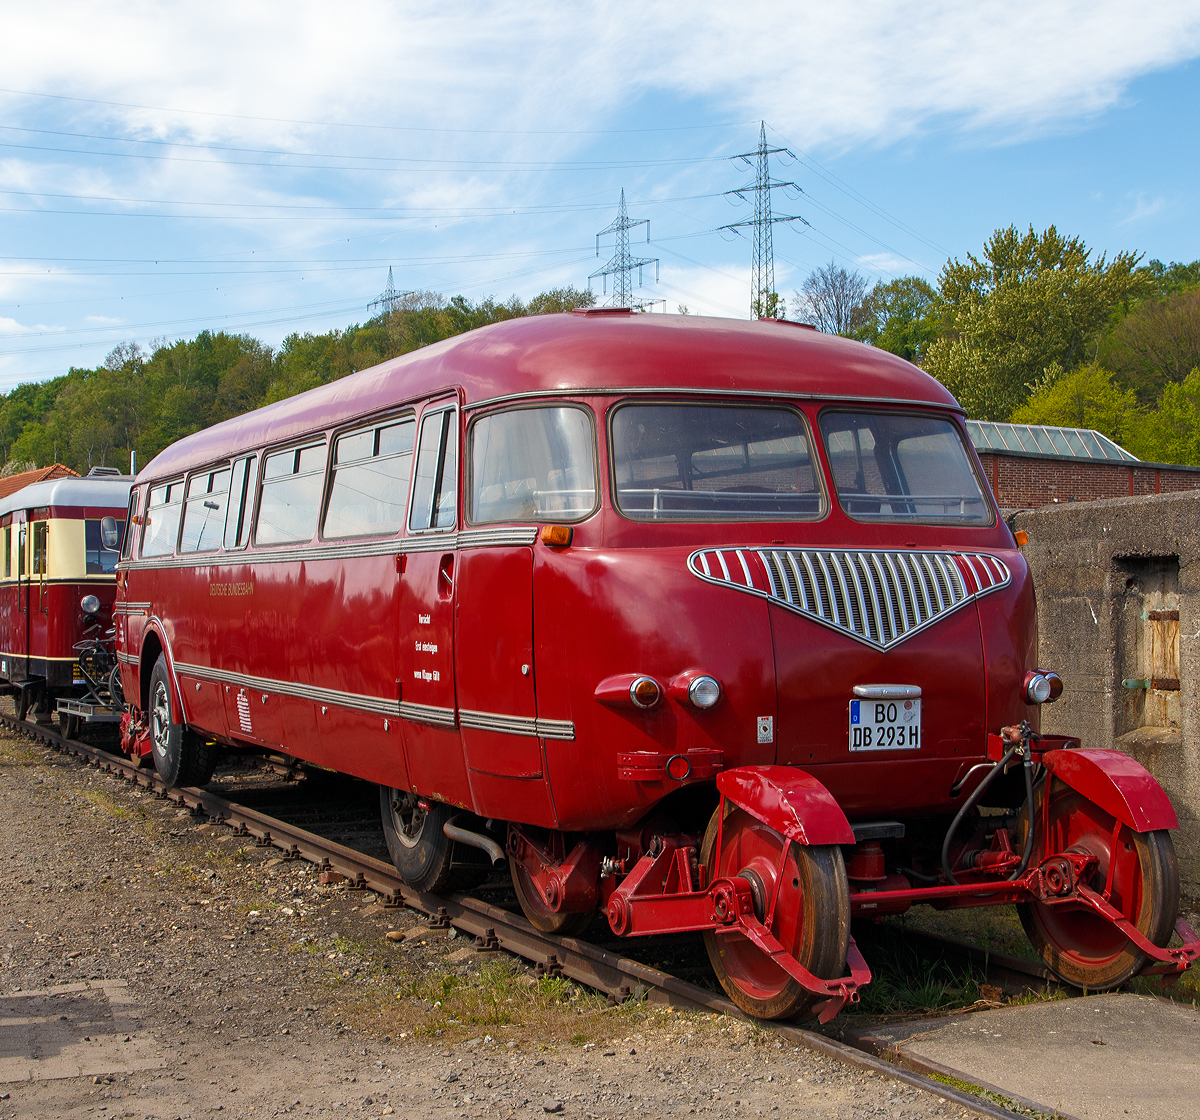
(991, 1097)
(905, 984)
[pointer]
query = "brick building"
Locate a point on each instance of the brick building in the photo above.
(1030, 466)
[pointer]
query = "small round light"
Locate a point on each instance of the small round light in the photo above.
(89, 604)
(644, 692)
(1037, 688)
(704, 692)
(1056, 687)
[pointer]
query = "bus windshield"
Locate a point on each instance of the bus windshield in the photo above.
(893, 466)
(702, 462)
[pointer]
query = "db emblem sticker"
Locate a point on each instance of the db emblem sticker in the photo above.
(766, 729)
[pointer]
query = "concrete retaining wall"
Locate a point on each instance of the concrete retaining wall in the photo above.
(1118, 591)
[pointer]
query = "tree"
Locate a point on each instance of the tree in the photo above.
(1084, 398)
(1156, 344)
(1171, 432)
(901, 317)
(1174, 278)
(833, 300)
(1030, 302)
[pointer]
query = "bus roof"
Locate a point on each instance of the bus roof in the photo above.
(94, 493)
(593, 351)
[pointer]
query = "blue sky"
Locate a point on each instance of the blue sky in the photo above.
(258, 167)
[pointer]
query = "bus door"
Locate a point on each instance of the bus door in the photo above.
(428, 583)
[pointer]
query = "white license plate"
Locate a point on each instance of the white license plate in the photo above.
(885, 725)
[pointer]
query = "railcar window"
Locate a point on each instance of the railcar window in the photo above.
(533, 463)
(162, 519)
(682, 462)
(241, 503)
(894, 466)
(98, 559)
(7, 551)
(291, 495)
(41, 548)
(371, 469)
(204, 511)
(435, 484)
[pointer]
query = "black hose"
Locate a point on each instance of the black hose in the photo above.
(967, 805)
(1029, 828)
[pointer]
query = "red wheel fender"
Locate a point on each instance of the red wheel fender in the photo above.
(176, 692)
(1120, 785)
(792, 802)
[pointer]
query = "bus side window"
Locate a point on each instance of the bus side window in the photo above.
(204, 511)
(435, 481)
(241, 503)
(369, 480)
(162, 519)
(127, 539)
(292, 485)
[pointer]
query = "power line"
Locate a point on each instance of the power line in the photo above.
(376, 127)
(622, 264)
(388, 300)
(764, 300)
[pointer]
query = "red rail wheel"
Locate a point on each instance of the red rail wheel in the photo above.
(1079, 945)
(811, 919)
(538, 914)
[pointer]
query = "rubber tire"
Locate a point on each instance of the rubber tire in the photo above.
(1156, 915)
(430, 860)
(68, 725)
(825, 922)
(181, 757)
(548, 921)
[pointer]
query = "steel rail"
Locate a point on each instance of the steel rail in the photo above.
(492, 927)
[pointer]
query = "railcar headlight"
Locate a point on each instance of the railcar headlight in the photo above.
(704, 692)
(1042, 687)
(89, 604)
(644, 692)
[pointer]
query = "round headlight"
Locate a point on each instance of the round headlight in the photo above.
(1056, 686)
(704, 692)
(1037, 688)
(644, 692)
(89, 604)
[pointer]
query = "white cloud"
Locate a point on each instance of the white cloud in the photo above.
(871, 71)
(1144, 207)
(13, 327)
(102, 320)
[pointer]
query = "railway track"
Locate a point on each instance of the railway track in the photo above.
(493, 927)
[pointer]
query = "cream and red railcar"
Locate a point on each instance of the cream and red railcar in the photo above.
(55, 556)
(701, 624)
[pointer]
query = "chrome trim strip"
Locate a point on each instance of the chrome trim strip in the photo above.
(427, 713)
(127, 658)
(887, 691)
(374, 704)
(745, 568)
(434, 542)
(491, 721)
(562, 729)
(911, 572)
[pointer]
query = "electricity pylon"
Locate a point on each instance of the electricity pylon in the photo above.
(764, 300)
(388, 300)
(622, 264)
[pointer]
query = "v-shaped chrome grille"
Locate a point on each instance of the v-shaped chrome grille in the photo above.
(879, 598)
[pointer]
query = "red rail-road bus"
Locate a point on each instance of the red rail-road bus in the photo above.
(707, 625)
(55, 558)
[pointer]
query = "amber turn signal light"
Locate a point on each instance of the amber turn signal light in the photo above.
(644, 692)
(557, 536)
(1021, 537)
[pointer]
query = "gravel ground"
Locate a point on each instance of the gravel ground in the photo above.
(151, 965)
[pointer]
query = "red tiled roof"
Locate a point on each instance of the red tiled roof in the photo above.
(15, 482)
